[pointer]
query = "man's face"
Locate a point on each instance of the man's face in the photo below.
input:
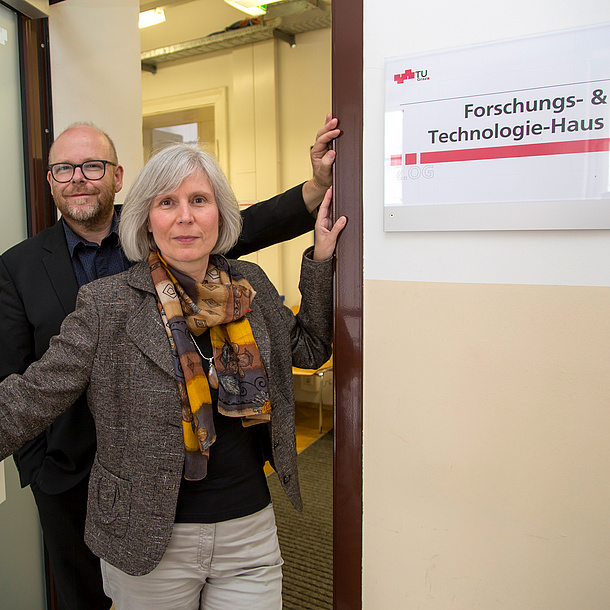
(84, 202)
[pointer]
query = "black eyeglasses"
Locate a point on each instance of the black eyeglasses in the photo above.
(92, 170)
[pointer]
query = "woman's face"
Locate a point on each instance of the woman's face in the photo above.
(184, 224)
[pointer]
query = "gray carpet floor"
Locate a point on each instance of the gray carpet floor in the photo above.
(306, 539)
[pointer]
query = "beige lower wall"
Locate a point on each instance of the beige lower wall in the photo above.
(486, 447)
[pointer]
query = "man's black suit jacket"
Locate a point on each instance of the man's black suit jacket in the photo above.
(38, 290)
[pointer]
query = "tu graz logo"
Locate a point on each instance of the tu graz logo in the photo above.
(411, 74)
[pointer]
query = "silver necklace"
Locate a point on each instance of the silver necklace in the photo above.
(212, 373)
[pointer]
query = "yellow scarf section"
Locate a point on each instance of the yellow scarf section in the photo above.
(219, 305)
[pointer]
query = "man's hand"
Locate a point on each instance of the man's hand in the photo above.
(322, 159)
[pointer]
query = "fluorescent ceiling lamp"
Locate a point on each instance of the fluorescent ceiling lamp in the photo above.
(254, 8)
(152, 17)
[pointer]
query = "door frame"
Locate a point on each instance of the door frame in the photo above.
(37, 117)
(347, 96)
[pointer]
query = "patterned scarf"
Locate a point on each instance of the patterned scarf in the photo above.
(219, 304)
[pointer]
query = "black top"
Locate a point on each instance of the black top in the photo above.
(235, 485)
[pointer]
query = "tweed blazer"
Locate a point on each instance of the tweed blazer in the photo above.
(115, 348)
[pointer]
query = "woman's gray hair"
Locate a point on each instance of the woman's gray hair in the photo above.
(164, 173)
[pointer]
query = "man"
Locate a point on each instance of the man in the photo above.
(39, 280)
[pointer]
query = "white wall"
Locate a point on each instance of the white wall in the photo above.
(95, 73)
(486, 375)
(550, 257)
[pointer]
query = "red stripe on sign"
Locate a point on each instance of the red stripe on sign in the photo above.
(520, 150)
(411, 159)
(396, 160)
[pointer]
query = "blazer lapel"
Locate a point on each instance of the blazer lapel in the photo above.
(57, 262)
(145, 328)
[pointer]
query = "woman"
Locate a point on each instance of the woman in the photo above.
(186, 359)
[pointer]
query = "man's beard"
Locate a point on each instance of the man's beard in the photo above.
(89, 216)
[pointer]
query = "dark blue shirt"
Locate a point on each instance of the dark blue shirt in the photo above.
(91, 261)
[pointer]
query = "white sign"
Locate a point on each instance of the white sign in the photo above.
(508, 135)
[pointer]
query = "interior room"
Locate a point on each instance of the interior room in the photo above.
(241, 98)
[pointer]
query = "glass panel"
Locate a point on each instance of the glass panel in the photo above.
(13, 226)
(21, 559)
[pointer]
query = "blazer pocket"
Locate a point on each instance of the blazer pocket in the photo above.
(109, 500)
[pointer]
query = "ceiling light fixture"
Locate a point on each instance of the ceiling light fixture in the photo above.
(152, 17)
(254, 8)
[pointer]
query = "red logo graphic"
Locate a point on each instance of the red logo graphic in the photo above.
(406, 75)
